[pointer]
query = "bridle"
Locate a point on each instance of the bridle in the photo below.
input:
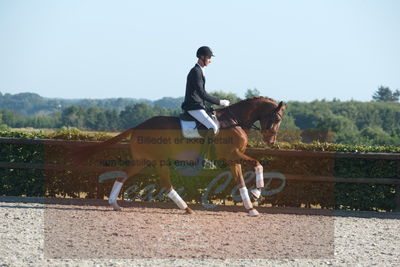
(273, 120)
(241, 124)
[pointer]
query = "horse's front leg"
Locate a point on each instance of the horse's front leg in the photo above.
(237, 174)
(258, 168)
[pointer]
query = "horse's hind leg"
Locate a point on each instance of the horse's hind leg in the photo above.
(165, 182)
(123, 176)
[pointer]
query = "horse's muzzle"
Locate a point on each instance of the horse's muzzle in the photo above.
(269, 143)
(269, 139)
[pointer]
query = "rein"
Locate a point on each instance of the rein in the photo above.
(239, 123)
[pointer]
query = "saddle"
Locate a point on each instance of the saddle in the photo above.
(192, 128)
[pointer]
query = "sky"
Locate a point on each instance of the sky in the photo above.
(289, 50)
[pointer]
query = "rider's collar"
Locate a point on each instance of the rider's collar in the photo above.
(202, 68)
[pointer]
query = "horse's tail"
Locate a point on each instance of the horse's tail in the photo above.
(80, 155)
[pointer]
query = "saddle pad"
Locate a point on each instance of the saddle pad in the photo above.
(189, 129)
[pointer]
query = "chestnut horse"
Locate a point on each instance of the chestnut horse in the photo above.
(159, 140)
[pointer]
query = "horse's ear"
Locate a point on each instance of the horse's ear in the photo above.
(279, 107)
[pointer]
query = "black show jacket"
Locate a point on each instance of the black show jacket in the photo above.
(195, 91)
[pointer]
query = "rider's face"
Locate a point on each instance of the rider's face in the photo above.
(205, 60)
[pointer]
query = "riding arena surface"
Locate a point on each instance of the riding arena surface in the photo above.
(57, 232)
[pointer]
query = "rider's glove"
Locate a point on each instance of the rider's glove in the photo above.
(224, 102)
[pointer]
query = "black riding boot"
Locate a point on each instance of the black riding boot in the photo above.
(207, 149)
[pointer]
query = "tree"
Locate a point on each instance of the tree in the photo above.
(3, 126)
(373, 132)
(375, 135)
(384, 94)
(136, 114)
(93, 119)
(73, 116)
(343, 128)
(112, 117)
(169, 102)
(252, 93)
(288, 131)
(11, 118)
(233, 98)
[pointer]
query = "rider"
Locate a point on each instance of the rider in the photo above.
(196, 94)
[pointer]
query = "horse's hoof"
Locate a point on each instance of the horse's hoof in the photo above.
(189, 211)
(256, 193)
(253, 213)
(115, 206)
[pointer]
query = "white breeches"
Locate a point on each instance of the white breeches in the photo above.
(202, 116)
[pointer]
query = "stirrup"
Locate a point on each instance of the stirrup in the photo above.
(211, 133)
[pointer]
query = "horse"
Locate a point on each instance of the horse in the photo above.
(160, 139)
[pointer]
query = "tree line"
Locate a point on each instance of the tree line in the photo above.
(350, 122)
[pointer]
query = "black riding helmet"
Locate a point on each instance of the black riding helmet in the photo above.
(204, 51)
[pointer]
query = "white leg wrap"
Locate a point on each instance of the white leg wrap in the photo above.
(245, 198)
(256, 193)
(259, 176)
(173, 195)
(115, 192)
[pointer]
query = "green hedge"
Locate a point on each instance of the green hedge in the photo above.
(32, 182)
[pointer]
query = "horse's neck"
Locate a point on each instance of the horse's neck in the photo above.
(246, 114)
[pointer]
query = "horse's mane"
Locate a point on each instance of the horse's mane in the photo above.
(268, 99)
(251, 99)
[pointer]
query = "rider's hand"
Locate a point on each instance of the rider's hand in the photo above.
(224, 102)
